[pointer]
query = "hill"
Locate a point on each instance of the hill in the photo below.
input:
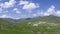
(38, 25)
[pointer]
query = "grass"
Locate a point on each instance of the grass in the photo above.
(24, 28)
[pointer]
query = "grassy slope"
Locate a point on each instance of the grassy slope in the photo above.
(7, 27)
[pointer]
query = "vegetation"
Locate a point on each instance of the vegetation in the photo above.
(38, 25)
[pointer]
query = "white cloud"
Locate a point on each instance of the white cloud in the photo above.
(5, 16)
(34, 15)
(1, 10)
(8, 16)
(1, 5)
(5, 11)
(30, 6)
(50, 11)
(57, 13)
(8, 4)
(23, 2)
(16, 10)
(40, 12)
(46, 14)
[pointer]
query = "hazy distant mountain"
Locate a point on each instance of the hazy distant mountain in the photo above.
(44, 18)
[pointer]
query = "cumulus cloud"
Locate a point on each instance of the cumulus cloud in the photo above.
(8, 4)
(28, 5)
(40, 12)
(50, 11)
(34, 15)
(16, 10)
(5, 11)
(8, 16)
(2, 11)
(23, 2)
(5, 16)
(57, 13)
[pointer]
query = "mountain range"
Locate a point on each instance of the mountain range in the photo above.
(37, 25)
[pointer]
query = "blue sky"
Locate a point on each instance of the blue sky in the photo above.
(28, 8)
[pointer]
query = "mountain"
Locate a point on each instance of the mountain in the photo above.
(50, 18)
(38, 25)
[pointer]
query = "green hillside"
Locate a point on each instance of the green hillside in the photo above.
(37, 25)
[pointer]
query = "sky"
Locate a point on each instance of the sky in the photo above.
(17, 9)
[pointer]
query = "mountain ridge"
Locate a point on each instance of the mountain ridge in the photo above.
(44, 18)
